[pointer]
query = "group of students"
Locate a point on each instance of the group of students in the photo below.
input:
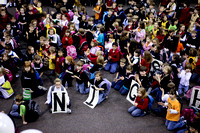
(125, 42)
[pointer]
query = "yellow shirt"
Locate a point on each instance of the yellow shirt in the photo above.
(39, 9)
(175, 105)
(51, 64)
(156, 31)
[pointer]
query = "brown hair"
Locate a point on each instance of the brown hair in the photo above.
(81, 31)
(57, 80)
(18, 98)
(98, 73)
(129, 67)
(147, 56)
(28, 64)
(123, 60)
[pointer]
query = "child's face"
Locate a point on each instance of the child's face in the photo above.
(122, 64)
(60, 53)
(182, 28)
(148, 39)
(187, 70)
(51, 32)
(67, 62)
(164, 70)
(156, 25)
(90, 22)
(172, 96)
(58, 16)
(151, 6)
(97, 77)
(41, 41)
(92, 44)
(79, 67)
(46, 43)
(3, 13)
(63, 17)
(13, 20)
(114, 47)
(193, 34)
(98, 28)
(83, 17)
(143, 73)
(128, 71)
(8, 27)
(161, 9)
(5, 58)
(67, 33)
(30, 7)
(37, 61)
(31, 28)
(27, 69)
(32, 51)
(7, 39)
(165, 18)
(130, 23)
(39, 4)
(18, 103)
(136, 54)
(176, 22)
(139, 93)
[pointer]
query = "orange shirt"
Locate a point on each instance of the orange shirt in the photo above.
(179, 47)
(175, 105)
(98, 9)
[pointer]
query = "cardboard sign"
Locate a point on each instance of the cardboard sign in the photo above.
(195, 97)
(3, 2)
(93, 97)
(59, 104)
(133, 92)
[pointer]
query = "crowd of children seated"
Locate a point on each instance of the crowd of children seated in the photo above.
(73, 45)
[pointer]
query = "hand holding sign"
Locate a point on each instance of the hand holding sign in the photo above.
(93, 97)
(133, 92)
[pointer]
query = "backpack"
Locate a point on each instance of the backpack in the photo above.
(8, 74)
(192, 62)
(71, 51)
(86, 71)
(37, 74)
(83, 45)
(108, 85)
(188, 114)
(32, 111)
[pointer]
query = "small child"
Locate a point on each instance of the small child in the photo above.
(53, 38)
(52, 58)
(81, 78)
(67, 39)
(141, 103)
(134, 61)
(29, 56)
(184, 76)
(147, 46)
(37, 65)
(142, 78)
(39, 7)
(59, 62)
(127, 79)
(101, 85)
(173, 120)
(68, 68)
(94, 47)
(118, 81)
(113, 59)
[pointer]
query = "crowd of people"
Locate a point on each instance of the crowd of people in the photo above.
(73, 45)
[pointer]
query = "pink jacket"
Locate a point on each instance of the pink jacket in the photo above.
(147, 48)
(140, 34)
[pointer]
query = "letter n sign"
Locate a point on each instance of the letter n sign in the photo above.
(195, 97)
(59, 102)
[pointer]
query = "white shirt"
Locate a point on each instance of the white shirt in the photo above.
(185, 77)
(56, 90)
(76, 21)
(108, 46)
(3, 91)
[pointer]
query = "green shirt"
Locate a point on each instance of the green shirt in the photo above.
(174, 27)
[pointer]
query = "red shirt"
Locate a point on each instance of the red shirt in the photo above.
(114, 55)
(146, 64)
(93, 58)
(198, 67)
(67, 43)
(58, 67)
(142, 103)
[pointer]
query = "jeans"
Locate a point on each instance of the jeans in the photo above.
(14, 111)
(158, 93)
(195, 78)
(82, 88)
(182, 89)
(123, 90)
(135, 112)
(112, 66)
(117, 85)
(172, 125)
(102, 97)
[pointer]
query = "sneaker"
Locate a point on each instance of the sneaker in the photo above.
(17, 75)
(42, 88)
(185, 121)
(15, 5)
(182, 118)
(69, 111)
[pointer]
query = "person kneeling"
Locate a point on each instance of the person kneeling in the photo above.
(56, 88)
(141, 103)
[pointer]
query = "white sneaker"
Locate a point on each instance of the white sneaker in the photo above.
(69, 111)
(17, 75)
(14, 4)
(42, 88)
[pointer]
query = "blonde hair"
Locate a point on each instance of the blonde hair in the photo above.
(100, 60)
(70, 59)
(143, 92)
